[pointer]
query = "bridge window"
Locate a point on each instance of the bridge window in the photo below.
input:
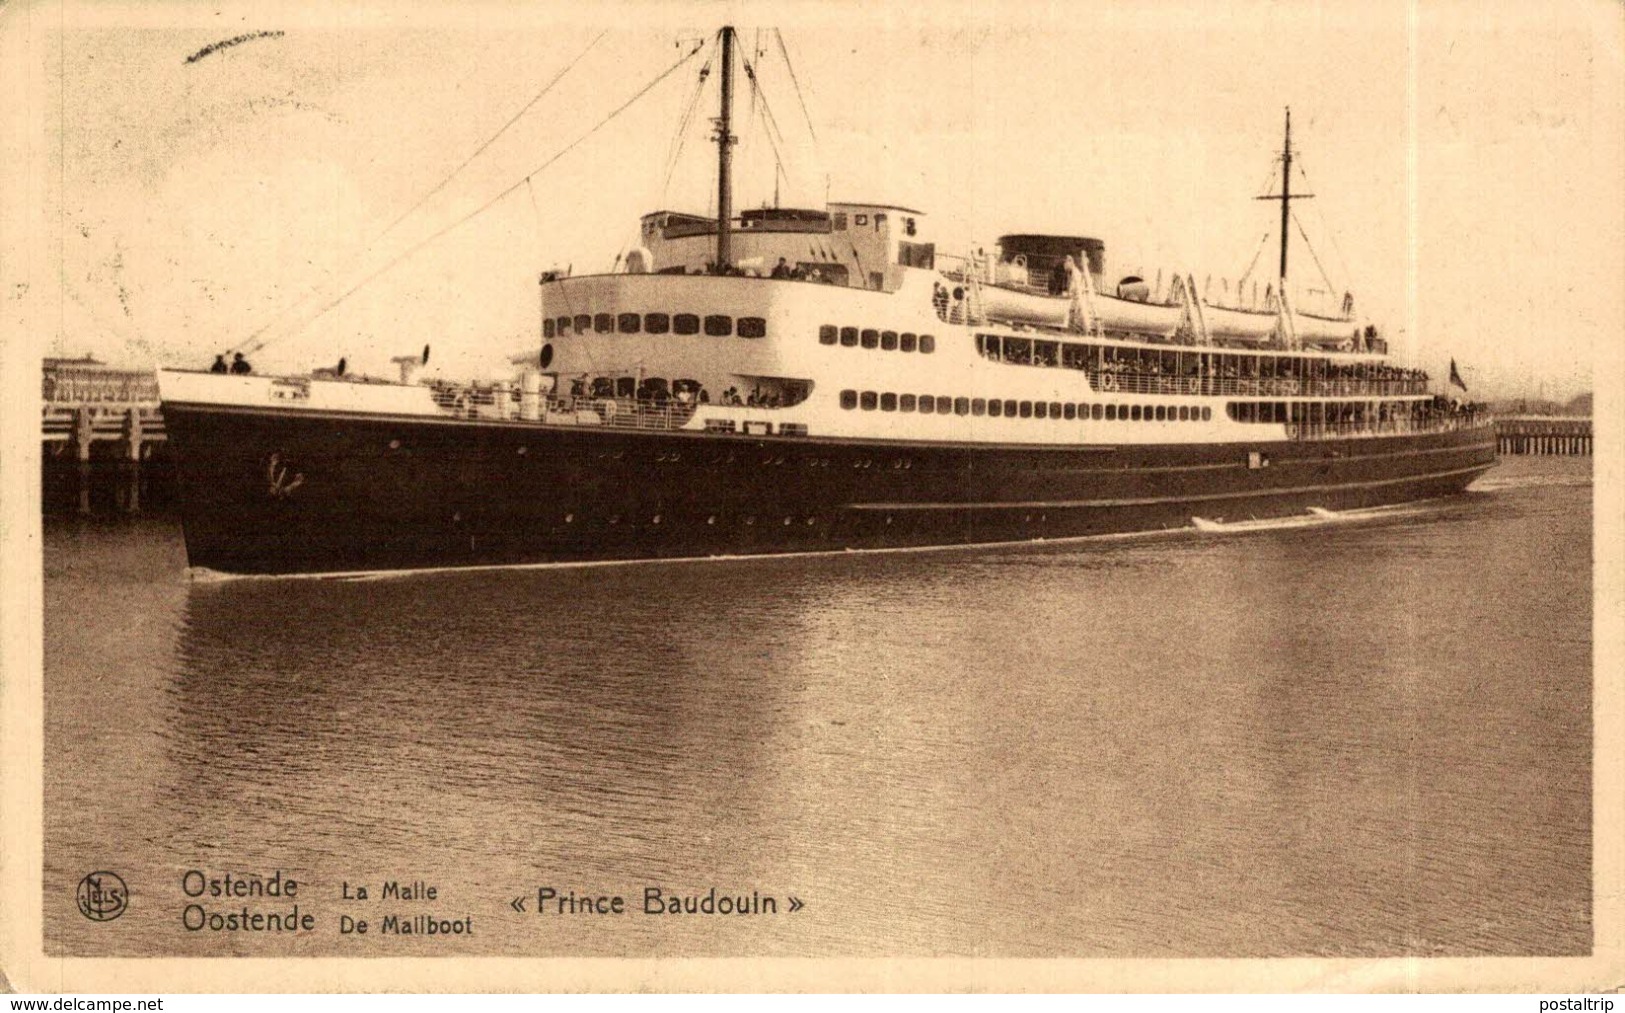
(871, 338)
(928, 344)
(827, 334)
(628, 323)
(888, 341)
(604, 323)
(978, 406)
(849, 337)
(547, 327)
(849, 399)
(860, 219)
(906, 403)
(868, 400)
(583, 323)
(961, 406)
(752, 327)
(839, 222)
(718, 326)
(656, 323)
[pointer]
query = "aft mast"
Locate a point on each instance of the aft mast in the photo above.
(725, 141)
(1288, 326)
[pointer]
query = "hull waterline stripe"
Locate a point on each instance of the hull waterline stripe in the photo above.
(1159, 500)
(205, 576)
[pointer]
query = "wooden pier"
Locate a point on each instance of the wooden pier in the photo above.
(104, 425)
(1544, 434)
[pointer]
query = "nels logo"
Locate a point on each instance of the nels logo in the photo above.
(282, 475)
(102, 896)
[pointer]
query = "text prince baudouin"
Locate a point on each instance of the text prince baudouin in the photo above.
(656, 902)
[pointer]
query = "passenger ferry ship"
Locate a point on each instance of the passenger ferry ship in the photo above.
(788, 380)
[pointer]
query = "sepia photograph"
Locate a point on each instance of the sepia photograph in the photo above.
(1012, 496)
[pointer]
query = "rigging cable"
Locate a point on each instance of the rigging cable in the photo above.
(770, 125)
(425, 198)
(1326, 228)
(674, 151)
(500, 131)
(1330, 288)
(785, 52)
(487, 205)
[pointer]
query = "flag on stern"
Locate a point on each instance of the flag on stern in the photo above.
(1455, 376)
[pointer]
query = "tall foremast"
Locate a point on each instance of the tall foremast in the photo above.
(725, 141)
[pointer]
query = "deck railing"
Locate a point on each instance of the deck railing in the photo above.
(1154, 383)
(1442, 423)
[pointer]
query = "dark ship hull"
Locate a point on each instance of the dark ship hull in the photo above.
(299, 491)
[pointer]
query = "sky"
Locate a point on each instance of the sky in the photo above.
(1466, 160)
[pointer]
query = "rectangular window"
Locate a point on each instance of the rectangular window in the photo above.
(1055, 409)
(1134, 413)
(1040, 410)
(1072, 356)
(583, 323)
(945, 405)
(752, 327)
(1009, 409)
(656, 323)
(879, 221)
(1026, 409)
(1097, 412)
(792, 429)
(827, 334)
(906, 403)
(839, 224)
(1111, 413)
(868, 400)
(928, 404)
(564, 326)
(888, 341)
(628, 323)
(978, 406)
(1069, 411)
(849, 337)
(905, 342)
(685, 323)
(871, 338)
(995, 408)
(860, 219)
(547, 327)
(928, 344)
(888, 402)
(604, 323)
(1046, 353)
(1018, 351)
(1162, 413)
(961, 406)
(849, 399)
(718, 326)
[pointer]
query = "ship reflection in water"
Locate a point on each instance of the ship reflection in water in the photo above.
(1359, 739)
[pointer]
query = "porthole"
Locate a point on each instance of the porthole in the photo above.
(394, 444)
(655, 519)
(905, 403)
(569, 518)
(711, 519)
(522, 451)
(888, 402)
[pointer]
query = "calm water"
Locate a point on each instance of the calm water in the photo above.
(1355, 739)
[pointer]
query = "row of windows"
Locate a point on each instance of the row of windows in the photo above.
(717, 325)
(886, 341)
(929, 404)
